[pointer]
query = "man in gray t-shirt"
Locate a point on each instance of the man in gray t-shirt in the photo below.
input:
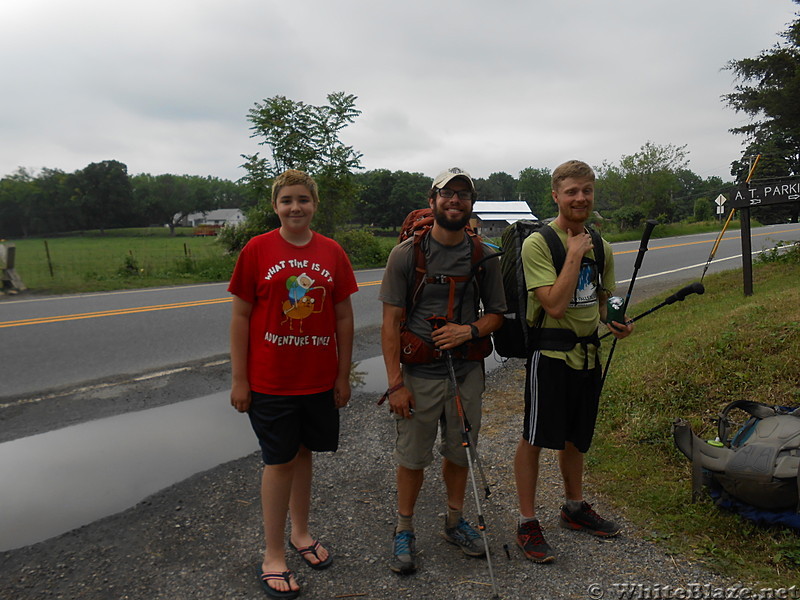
(421, 395)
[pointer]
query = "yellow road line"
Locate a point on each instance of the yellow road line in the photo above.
(736, 236)
(141, 309)
(112, 313)
(126, 311)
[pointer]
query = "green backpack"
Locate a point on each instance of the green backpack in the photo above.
(515, 338)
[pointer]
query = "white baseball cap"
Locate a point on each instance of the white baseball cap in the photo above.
(443, 178)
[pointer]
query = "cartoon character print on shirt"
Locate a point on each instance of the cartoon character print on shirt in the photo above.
(301, 303)
(586, 290)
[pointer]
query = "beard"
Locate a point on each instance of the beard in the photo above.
(452, 225)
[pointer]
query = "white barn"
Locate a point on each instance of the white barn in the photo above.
(490, 218)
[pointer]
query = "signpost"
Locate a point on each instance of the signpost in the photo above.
(720, 205)
(750, 195)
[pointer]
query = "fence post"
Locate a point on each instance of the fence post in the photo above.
(10, 282)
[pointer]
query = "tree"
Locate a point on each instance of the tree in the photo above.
(103, 194)
(375, 188)
(648, 180)
(306, 137)
(703, 210)
(17, 206)
(168, 199)
(409, 192)
(768, 91)
(498, 186)
(534, 186)
(386, 197)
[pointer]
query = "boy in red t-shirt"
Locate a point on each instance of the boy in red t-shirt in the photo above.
(291, 348)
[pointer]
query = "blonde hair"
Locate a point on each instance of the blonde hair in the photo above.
(575, 169)
(294, 177)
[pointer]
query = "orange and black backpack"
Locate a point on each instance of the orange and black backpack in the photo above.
(413, 349)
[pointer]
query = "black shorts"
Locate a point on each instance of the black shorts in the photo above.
(283, 423)
(560, 403)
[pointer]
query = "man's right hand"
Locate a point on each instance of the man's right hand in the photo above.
(580, 243)
(401, 402)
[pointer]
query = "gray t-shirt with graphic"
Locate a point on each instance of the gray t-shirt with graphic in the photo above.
(453, 261)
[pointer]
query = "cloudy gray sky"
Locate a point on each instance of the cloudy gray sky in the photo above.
(165, 85)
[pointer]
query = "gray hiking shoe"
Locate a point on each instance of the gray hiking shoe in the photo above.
(466, 538)
(586, 519)
(403, 553)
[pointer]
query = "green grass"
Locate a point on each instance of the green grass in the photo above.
(119, 259)
(689, 360)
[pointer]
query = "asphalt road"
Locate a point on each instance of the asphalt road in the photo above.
(68, 358)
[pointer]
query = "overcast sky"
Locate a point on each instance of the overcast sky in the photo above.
(164, 86)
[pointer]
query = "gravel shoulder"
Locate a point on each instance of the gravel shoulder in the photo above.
(201, 539)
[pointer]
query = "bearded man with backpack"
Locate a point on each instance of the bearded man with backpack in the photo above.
(562, 388)
(438, 276)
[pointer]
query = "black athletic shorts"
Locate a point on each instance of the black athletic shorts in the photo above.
(560, 403)
(282, 423)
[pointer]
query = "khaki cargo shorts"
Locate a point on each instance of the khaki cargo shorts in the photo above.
(433, 398)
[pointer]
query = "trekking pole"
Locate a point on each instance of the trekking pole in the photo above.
(716, 243)
(470, 448)
(727, 221)
(648, 229)
(437, 322)
(692, 288)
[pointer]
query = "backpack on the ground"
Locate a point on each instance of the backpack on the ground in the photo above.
(758, 466)
(413, 349)
(515, 338)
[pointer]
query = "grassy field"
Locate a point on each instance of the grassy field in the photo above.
(119, 259)
(690, 360)
(145, 257)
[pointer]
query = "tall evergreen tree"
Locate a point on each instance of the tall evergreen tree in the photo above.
(768, 91)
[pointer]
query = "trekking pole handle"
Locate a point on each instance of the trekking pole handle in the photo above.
(648, 230)
(693, 288)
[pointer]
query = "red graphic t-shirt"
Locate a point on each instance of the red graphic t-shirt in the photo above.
(293, 290)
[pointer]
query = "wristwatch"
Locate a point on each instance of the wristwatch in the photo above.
(475, 333)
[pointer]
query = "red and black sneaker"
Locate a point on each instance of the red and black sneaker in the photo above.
(587, 520)
(531, 540)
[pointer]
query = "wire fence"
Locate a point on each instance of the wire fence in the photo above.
(86, 263)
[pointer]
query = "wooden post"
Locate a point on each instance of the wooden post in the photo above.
(49, 262)
(10, 282)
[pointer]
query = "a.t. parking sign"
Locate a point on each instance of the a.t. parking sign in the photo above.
(749, 196)
(779, 192)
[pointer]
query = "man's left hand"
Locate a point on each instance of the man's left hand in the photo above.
(451, 335)
(621, 330)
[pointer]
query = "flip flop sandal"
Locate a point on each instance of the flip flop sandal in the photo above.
(312, 549)
(268, 576)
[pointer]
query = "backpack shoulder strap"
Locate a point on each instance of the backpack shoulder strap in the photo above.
(599, 253)
(559, 254)
(557, 251)
(754, 409)
(420, 269)
(477, 271)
